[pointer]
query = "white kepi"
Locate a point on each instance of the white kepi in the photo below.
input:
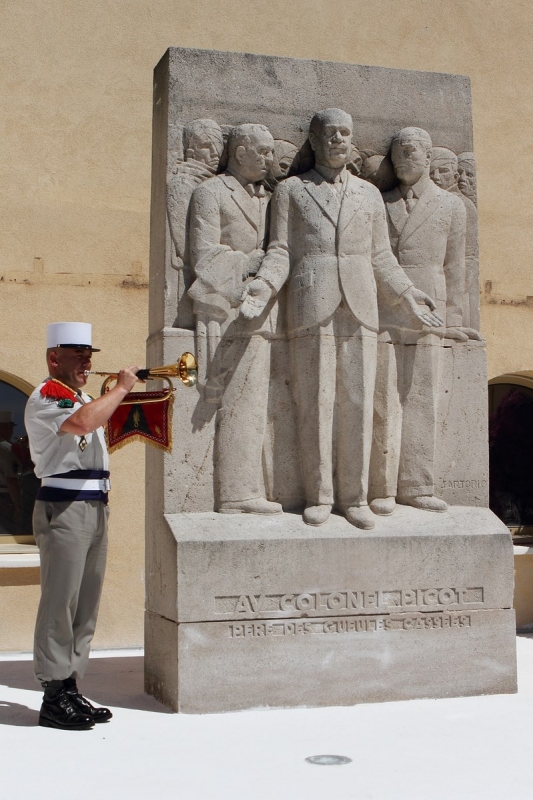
(70, 334)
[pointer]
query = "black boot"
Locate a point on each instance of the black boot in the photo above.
(58, 711)
(81, 703)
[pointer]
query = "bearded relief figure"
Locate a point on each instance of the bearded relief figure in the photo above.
(329, 245)
(203, 145)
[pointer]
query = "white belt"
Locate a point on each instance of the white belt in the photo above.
(102, 485)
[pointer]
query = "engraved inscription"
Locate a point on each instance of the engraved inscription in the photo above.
(464, 484)
(367, 624)
(346, 601)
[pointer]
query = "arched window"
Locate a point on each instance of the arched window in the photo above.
(18, 484)
(511, 451)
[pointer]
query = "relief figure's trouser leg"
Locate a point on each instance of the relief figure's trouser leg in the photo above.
(418, 388)
(356, 372)
(241, 420)
(72, 540)
(386, 437)
(313, 368)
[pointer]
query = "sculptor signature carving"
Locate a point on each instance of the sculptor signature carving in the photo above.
(329, 243)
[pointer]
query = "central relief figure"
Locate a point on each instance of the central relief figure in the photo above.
(329, 243)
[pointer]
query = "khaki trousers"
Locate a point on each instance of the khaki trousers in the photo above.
(72, 541)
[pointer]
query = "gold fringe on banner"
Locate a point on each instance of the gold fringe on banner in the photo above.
(142, 417)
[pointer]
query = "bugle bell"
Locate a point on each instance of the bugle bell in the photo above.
(186, 369)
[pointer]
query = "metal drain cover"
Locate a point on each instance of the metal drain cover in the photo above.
(327, 760)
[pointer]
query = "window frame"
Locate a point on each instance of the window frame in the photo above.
(15, 542)
(521, 534)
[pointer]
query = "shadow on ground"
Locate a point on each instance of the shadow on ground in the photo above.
(17, 714)
(108, 681)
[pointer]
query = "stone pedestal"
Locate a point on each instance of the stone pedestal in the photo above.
(269, 612)
(245, 611)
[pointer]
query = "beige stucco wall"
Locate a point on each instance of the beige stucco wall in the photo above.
(76, 83)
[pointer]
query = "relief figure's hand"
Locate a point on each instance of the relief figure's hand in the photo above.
(255, 259)
(255, 298)
(418, 303)
(463, 334)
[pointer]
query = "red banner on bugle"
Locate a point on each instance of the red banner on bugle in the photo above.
(142, 416)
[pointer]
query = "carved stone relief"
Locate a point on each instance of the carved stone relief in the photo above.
(312, 257)
(326, 239)
(427, 228)
(285, 160)
(445, 173)
(327, 272)
(378, 170)
(467, 176)
(228, 230)
(202, 150)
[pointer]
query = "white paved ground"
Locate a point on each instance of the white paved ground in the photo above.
(476, 748)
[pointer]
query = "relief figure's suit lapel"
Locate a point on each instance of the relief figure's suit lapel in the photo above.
(323, 195)
(426, 205)
(242, 199)
(350, 205)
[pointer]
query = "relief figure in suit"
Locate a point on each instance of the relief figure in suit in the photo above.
(427, 228)
(203, 145)
(444, 172)
(467, 176)
(329, 243)
(227, 232)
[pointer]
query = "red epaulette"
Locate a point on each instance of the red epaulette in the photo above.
(56, 390)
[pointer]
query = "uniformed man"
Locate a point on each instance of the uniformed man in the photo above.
(70, 519)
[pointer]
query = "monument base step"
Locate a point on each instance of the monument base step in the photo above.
(212, 667)
(272, 613)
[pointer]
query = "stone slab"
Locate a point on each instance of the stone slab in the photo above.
(228, 666)
(461, 459)
(245, 567)
(246, 611)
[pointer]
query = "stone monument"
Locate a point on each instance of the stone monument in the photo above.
(321, 533)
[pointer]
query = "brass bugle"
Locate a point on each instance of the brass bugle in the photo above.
(186, 369)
